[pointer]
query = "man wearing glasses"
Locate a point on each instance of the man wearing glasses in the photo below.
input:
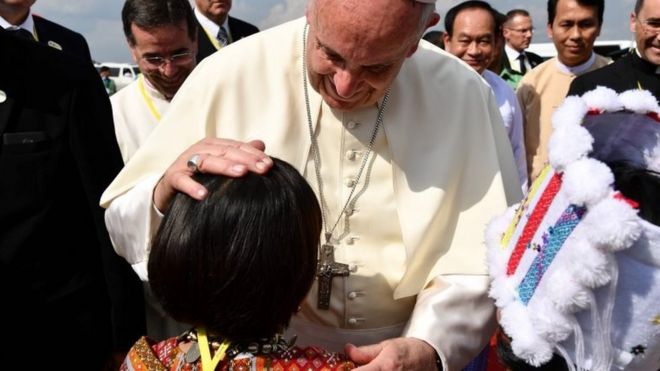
(518, 31)
(640, 68)
(162, 37)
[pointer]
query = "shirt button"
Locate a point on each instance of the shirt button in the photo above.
(352, 124)
(350, 182)
(350, 155)
(353, 268)
(352, 321)
(352, 295)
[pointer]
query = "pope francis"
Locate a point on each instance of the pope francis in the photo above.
(403, 146)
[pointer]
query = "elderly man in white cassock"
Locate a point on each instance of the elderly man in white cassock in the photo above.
(402, 143)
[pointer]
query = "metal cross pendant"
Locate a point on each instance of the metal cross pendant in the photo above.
(326, 270)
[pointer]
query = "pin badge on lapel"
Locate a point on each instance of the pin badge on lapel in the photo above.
(55, 45)
(3, 96)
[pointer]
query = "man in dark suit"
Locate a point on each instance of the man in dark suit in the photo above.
(518, 31)
(640, 67)
(16, 16)
(216, 28)
(68, 301)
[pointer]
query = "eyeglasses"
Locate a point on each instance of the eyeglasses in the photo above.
(650, 26)
(521, 30)
(178, 59)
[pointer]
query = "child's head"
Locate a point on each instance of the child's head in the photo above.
(241, 261)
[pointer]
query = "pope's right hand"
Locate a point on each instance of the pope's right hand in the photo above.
(216, 156)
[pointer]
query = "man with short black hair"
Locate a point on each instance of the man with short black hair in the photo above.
(217, 28)
(162, 38)
(472, 36)
(573, 26)
(640, 67)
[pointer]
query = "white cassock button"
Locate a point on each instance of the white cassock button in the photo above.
(3, 96)
(350, 155)
(353, 268)
(352, 321)
(352, 124)
(350, 182)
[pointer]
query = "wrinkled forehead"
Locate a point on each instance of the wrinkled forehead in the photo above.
(625, 136)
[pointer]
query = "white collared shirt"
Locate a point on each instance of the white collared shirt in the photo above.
(27, 25)
(211, 27)
(512, 54)
(579, 69)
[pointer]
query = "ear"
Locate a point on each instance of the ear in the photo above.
(433, 20)
(548, 30)
(633, 19)
(447, 41)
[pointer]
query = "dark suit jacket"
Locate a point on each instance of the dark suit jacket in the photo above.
(237, 28)
(64, 290)
(54, 35)
(628, 72)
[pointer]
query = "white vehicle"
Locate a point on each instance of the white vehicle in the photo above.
(121, 73)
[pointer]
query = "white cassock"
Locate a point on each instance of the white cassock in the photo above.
(443, 168)
(136, 110)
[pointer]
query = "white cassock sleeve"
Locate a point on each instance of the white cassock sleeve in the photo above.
(131, 220)
(454, 315)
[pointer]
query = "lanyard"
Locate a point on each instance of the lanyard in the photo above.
(147, 99)
(212, 39)
(209, 364)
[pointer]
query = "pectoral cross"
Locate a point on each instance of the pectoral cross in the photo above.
(326, 270)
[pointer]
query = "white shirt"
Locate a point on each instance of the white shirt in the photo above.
(512, 55)
(579, 69)
(211, 28)
(513, 121)
(27, 25)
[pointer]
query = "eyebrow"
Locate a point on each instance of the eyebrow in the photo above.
(335, 55)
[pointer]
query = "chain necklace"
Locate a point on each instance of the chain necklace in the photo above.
(327, 267)
(316, 155)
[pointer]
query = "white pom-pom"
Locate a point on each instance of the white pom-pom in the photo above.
(587, 181)
(593, 270)
(525, 343)
(603, 99)
(570, 112)
(549, 323)
(501, 292)
(567, 294)
(612, 224)
(568, 144)
(639, 101)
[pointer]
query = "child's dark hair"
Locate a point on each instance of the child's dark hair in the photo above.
(241, 261)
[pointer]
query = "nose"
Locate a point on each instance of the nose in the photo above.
(473, 49)
(575, 32)
(346, 82)
(168, 68)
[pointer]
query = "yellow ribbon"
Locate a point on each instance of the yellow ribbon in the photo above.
(208, 363)
(147, 99)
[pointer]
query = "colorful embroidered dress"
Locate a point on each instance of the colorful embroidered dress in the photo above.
(166, 355)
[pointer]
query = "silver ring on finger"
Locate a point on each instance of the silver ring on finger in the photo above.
(193, 163)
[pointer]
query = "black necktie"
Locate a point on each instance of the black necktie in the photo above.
(223, 37)
(21, 33)
(523, 67)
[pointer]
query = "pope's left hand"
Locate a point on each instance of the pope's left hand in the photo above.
(394, 354)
